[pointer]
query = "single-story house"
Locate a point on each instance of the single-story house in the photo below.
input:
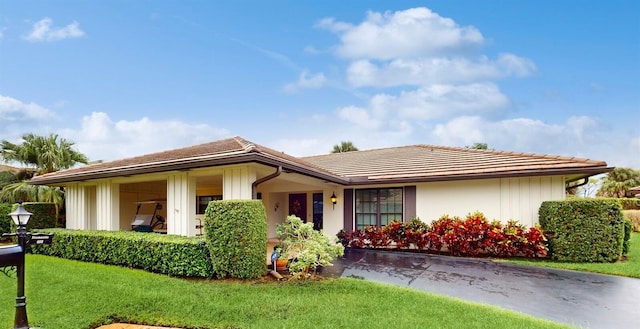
(334, 191)
(634, 192)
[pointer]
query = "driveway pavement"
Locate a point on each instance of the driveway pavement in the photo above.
(582, 299)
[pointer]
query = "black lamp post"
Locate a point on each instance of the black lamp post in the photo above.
(21, 217)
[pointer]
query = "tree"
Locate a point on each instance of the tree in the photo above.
(344, 146)
(618, 182)
(44, 153)
(478, 146)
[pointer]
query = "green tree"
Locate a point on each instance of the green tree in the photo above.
(618, 182)
(344, 146)
(478, 146)
(44, 153)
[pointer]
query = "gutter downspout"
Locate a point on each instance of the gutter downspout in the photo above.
(254, 186)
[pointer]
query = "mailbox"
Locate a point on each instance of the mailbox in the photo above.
(11, 256)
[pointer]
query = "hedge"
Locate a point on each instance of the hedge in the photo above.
(168, 254)
(43, 214)
(589, 230)
(626, 203)
(236, 234)
(5, 219)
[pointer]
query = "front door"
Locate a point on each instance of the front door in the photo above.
(298, 205)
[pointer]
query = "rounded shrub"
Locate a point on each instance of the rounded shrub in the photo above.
(236, 235)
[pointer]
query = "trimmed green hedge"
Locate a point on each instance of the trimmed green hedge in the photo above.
(589, 230)
(44, 214)
(168, 254)
(626, 241)
(236, 234)
(625, 203)
(5, 219)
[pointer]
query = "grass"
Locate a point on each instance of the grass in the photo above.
(629, 267)
(69, 294)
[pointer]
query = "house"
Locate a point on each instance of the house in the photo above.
(370, 187)
(634, 192)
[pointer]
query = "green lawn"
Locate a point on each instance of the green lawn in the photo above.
(70, 294)
(630, 267)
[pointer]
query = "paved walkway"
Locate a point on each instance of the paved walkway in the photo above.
(577, 298)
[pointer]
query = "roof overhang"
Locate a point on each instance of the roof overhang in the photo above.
(181, 165)
(573, 174)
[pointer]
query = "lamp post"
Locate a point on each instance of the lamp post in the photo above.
(21, 217)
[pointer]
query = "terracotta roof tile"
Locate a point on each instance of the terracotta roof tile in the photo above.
(417, 162)
(427, 161)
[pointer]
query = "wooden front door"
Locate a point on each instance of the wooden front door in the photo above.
(298, 205)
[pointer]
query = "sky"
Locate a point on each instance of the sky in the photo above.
(126, 78)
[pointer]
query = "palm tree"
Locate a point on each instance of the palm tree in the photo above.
(478, 146)
(618, 182)
(344, 146)
(46, 154)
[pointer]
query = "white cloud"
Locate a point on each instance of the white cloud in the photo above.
(306, 81)
(436, 70)
(359, 116)
(408, 33)
(43, 31)
(574, 136)
(428, 103)
(100, 138)
(13, 110)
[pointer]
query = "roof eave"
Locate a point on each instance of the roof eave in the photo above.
(583, 172)
(186, 164)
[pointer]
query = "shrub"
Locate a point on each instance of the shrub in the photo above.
(43, 214)
(305, 247)
(626, 241)
(583, 230)
(5, 219)
(629, 203)
(236, 234)
(168, 254)
(634, 217)
(472, 236)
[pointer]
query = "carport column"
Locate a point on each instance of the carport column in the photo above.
(75, 204)
(236, 183)
(181, 204)
(108, 206)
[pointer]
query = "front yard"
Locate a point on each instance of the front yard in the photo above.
(629, 267)
(71, 294)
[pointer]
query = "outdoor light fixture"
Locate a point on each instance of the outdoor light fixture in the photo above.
(334, 199)
(21, 217)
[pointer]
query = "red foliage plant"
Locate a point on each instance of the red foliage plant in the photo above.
(472, 236)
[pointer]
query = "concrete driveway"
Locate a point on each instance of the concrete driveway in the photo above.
(582, 299)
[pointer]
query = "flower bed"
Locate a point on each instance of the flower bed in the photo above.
(472, 236)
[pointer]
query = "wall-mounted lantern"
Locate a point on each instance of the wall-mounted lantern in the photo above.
(334, 199)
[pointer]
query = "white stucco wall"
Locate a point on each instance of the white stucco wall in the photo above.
(333, 218)
(502, 199)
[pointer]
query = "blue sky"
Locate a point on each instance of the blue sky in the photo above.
(125, 78)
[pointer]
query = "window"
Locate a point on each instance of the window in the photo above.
(203, 202)
(378, 207)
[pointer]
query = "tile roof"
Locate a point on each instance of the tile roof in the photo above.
(432, 163)
(222, 152)
(396, 164)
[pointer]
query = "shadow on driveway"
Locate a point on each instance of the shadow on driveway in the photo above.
(582, 299)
